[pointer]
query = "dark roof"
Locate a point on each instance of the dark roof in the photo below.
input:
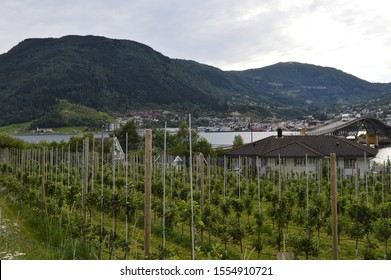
(292, 150)
(300, 146)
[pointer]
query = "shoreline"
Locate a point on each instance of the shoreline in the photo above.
(40, 134)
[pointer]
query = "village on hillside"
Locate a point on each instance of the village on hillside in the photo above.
(239, 122)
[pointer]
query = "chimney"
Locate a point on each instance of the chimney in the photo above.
(279, 132)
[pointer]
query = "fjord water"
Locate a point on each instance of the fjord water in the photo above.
(217, 139)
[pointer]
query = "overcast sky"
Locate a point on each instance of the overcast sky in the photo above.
(351, 35)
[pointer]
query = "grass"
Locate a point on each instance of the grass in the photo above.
(69, 112)
(17, 129)
(13, 128)
(58, 236)
(42, 237)
(18, 239)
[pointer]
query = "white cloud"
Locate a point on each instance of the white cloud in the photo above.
(347, 34)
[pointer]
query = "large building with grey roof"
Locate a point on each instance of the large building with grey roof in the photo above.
(300, 153)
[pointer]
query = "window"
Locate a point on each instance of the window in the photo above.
(277, 161)
(350, 163)
(300, 161)
(262, 162)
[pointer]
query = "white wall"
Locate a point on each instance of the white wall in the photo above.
(290, 165)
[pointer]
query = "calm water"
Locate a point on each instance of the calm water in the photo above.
(223, 139)
(36, 138)
(217, 139)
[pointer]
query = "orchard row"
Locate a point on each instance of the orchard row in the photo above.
(202, 207)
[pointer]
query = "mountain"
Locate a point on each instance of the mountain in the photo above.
(315, 85)
(119, 75)
(290, 89)
(109, 75)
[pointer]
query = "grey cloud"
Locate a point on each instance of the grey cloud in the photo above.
(223, 33)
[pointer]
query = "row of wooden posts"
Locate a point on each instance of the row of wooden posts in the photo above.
(148, 161)
(148, 191)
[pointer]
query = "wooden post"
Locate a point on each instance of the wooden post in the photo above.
(239, 172)
(147, 192)
(43, 176)
(191, 192)
(225, 177)
(7, 159)
(320, 175)
(307, 186)
(284, 255)
(164, 188)
(93, 164)
(382, 182)
(22, 165)
(333, 167)
(356, 181)
(258, 186)
(201, 177)
(85, 179)
(279, 177)
(201, 170)
(126, 190)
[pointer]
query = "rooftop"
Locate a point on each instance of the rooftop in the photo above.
(303, 145)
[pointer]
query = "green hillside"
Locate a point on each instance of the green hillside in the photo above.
(120, 75)
(312, 85)
(68, 114)
(108, 75)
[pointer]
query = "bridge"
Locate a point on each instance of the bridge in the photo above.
(376, 131)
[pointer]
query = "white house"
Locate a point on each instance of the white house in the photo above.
(304, 153)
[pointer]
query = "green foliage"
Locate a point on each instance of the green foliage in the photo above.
(303, 244)
(227, 224)
(363, 217)
(134, 139)
(178, 144)
(117, 75)
(294, 82)
(11, 142)
(100, 73)
(203, 146)
(68, 114)
(238, 141)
